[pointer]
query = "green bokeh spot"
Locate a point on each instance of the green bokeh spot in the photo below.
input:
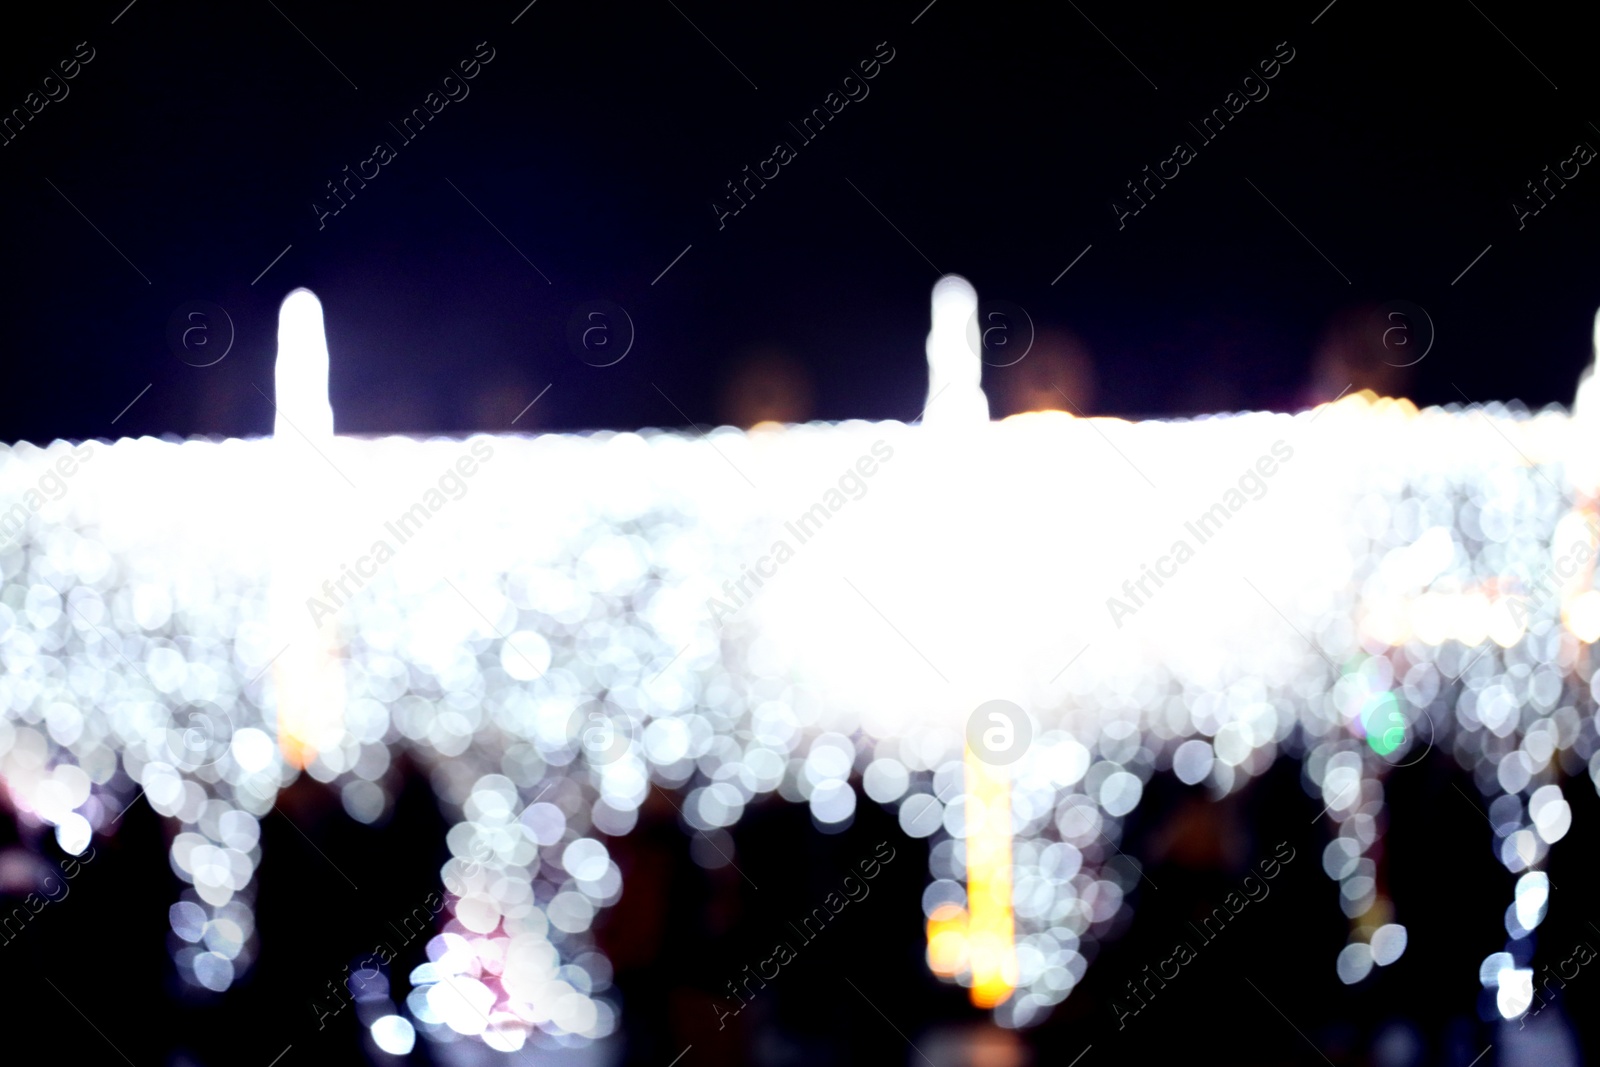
(1385, 726)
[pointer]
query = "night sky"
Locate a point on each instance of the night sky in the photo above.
(187, 162)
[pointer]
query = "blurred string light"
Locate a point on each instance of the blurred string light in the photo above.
(544, 649)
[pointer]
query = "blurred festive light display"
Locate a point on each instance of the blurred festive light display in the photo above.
(554, 624)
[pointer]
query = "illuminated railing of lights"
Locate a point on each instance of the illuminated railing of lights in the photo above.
(1409, 580)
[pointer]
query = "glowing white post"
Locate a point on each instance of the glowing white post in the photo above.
(955, 371)
(301, 374)
(308, 674)
(956, 402)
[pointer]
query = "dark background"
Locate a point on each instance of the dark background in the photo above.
(199, 137)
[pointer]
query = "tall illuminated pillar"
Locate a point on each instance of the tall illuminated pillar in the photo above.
(308, 672)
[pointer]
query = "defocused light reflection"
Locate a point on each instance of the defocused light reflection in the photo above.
(541, 646)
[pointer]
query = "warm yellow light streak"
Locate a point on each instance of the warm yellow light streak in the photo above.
(991, 935)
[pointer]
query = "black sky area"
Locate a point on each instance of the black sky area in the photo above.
(190, 150)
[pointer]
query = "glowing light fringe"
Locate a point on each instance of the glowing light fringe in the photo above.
(1392, 584)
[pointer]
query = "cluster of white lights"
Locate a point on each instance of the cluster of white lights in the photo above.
(544, 646)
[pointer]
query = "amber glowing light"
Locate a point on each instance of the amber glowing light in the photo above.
(991, 944)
